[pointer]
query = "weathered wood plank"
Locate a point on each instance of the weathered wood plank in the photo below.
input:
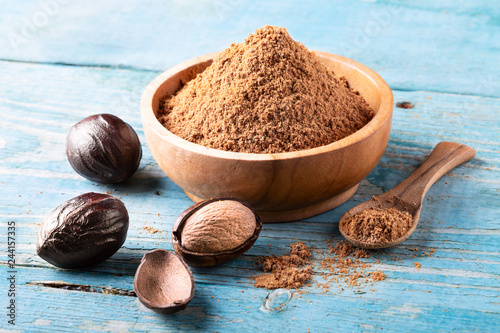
(462, 275)
(448, 47)
(402, 300)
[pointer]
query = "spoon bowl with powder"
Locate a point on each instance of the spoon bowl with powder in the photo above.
(390, 218)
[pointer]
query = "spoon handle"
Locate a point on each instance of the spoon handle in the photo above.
(444, 157)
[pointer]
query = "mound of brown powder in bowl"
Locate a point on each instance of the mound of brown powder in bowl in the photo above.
(268, 94)
(377, 225)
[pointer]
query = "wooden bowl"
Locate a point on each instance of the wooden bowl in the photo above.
(284, 186)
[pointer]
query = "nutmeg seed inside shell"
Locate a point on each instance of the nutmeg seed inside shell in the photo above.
(215, 230)
(217, 227)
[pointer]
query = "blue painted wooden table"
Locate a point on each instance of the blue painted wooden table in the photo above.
(61, 61)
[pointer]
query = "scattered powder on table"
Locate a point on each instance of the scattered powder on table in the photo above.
(339, 269)
(342, 249)
(361, 254)
(268, 94)
(284, 270)
(151, 230)
(377, 225)
(431, 252)
(345, 271)
(378, 276)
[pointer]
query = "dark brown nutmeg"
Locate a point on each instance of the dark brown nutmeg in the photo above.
(103, 148)
(163, 282)
(83, 231)
(215, 230)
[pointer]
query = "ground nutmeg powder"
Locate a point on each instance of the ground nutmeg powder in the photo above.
(342, 267)
(287, 271)
(377, 225)
(268, 94)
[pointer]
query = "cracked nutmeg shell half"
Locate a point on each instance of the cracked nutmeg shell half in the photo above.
(163, 282)
(215, 230)
(103, 148)
(83, 231)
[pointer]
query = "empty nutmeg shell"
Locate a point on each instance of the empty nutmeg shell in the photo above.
(215, 230)
(83, 231)
(163, 282)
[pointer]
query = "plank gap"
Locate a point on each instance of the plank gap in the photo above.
(70, 64)
(84, 288)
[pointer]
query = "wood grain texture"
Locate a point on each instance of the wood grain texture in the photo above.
(33, 161)
(413, 45)
(428, 49)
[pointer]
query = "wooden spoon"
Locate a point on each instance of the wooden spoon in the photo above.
(409, 194)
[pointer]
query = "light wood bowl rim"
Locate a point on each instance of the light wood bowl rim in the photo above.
(149, 117)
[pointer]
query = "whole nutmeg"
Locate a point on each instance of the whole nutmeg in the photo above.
(215, 230)
(83, 231)
(103, 148)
